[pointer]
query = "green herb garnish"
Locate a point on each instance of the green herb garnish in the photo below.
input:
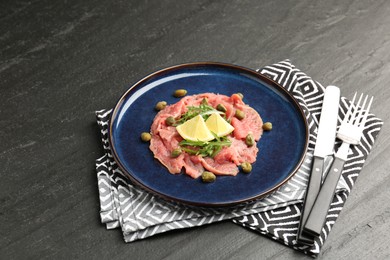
(204, 109)
(211, 148)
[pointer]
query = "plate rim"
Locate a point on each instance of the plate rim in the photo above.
(207, 64)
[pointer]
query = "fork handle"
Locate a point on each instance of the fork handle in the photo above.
(317, 216)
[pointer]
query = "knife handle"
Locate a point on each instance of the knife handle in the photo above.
(317, 216)
(312, 190)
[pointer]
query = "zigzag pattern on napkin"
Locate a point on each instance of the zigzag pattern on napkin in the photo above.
(282, 224)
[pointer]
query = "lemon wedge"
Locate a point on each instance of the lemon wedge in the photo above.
(216, 124)
(195, 129)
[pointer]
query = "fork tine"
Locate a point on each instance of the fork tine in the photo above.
(359, 118)
(366, 113)
(354, 117)
(349, 112)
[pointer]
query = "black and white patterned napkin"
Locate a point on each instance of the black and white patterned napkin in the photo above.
(140, 214)
(282, 224)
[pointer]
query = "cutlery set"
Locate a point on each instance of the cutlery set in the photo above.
(322, 185)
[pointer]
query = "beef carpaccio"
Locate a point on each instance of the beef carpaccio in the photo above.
(165, 138)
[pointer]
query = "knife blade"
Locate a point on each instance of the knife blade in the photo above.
(326, 136)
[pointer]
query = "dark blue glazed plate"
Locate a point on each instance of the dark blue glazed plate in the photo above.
(281, 150)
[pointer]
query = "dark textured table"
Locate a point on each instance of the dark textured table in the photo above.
(62, 60)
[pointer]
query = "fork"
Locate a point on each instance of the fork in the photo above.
(350, 132)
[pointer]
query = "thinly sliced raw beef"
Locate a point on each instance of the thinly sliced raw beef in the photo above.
(251, 123)
(165, 138)
(220, 168)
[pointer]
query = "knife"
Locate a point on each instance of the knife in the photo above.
(326, 136)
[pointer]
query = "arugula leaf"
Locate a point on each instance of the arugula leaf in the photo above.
(204, 109)
(211, 148)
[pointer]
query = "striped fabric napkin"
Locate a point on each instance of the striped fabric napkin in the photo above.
(140, 214)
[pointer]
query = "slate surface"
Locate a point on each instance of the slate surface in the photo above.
(58, 58)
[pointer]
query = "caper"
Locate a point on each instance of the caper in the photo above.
(267, 126)
(180, 93)
(249, 140)
(239, 114)
(221, 107)
(241, 95)
(208, 177)
(170, 120)
(160, 105)
(146, 137)
(246, 167)
(176, 152)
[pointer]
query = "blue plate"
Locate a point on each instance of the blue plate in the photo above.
(281, 150)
